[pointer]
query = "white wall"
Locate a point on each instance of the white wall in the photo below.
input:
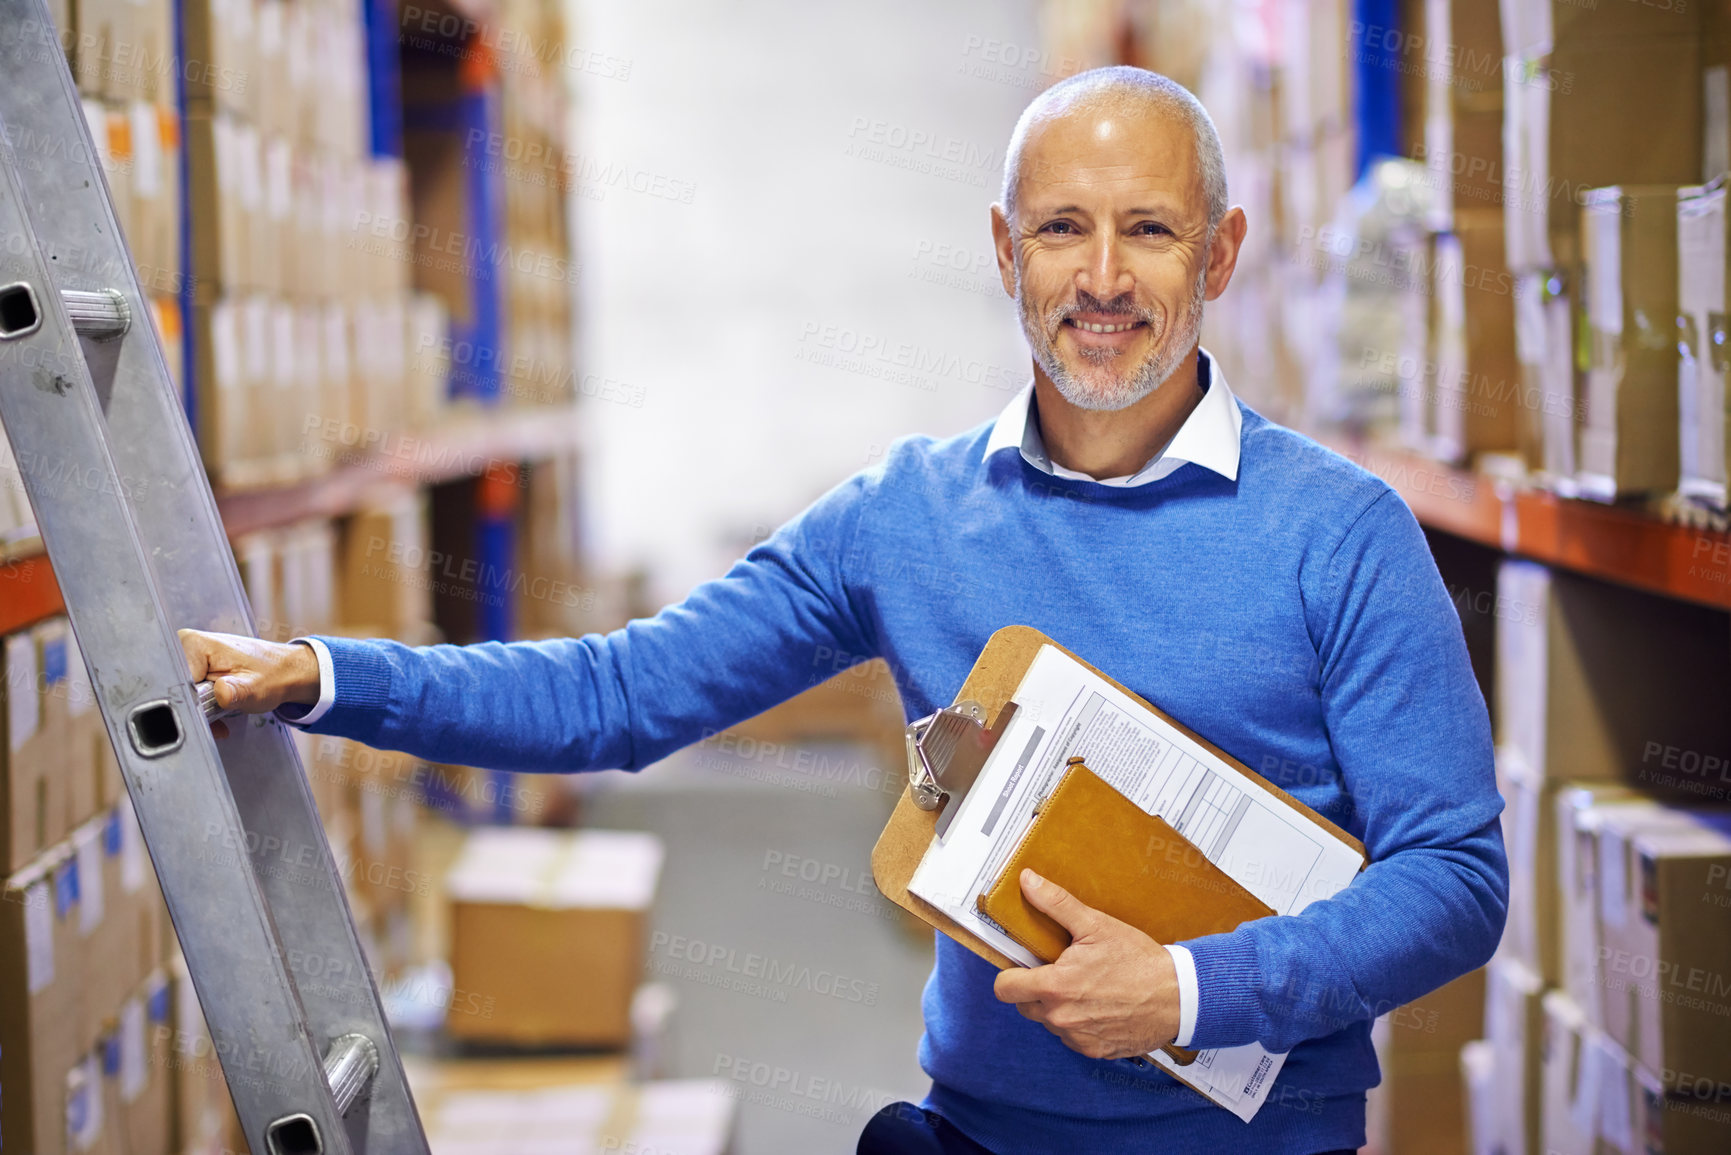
(704, 308)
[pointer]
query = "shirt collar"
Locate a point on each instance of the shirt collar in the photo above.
(1209, 437)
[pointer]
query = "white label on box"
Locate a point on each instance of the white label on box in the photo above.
(1613, 875)
(80, 695)
(38, 936)
(96, 117)
(133, 1064)
(282, 334)
(90, 898)
(132, 857)
(1603, 224)
(1613, 1094)
(23, 703)
(146, 149)
(83, 1105)
(225, 345)
(255, 339)
(188, 1017)
(248, 179)
(278, 179)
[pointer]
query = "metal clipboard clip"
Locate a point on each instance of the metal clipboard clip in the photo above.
(946, 752)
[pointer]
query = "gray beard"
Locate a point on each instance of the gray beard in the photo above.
(1114, 392)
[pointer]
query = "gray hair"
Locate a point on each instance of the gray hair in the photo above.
(1123, 87)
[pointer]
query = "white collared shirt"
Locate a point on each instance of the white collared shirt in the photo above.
(1209, 436)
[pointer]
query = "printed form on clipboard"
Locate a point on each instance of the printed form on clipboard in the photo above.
(1251, 833)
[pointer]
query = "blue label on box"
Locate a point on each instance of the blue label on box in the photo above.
(157, 1003)
(111, 834)
(111, 1054)
(54, 660)
(66, 887)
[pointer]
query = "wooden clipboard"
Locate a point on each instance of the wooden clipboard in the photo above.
(993, 680)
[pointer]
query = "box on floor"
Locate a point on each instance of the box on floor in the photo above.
(548, 934)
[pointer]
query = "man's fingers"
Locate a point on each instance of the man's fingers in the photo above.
(197, 657)
(237, 690)
(1049, 898)
(1021, 985)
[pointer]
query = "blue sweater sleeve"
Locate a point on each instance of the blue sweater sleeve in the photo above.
(736, 646)
(1412, 738)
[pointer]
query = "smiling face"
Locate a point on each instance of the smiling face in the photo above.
(1108, 254)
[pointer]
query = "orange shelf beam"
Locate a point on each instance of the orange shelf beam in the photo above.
(28, 593)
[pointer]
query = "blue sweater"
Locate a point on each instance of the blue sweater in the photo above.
(1293, 617)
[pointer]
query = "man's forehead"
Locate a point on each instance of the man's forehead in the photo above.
(1111, 151)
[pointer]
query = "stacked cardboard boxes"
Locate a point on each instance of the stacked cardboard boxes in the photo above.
(123, 62)
(539, 176)
(1594, 97)
(1608, 731)
(301, 326)
(81, 990)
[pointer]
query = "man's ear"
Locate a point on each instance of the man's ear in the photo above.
(1005, 246)
(1223, 253)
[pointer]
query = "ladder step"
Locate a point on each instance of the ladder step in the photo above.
(350, 1066)
(101, 315)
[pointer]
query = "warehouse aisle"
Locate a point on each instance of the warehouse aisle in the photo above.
(782, 224)
(794, 977)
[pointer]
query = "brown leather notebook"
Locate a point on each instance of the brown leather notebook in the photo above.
(1117, 858)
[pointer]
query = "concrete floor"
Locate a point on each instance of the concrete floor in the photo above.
(805, 992)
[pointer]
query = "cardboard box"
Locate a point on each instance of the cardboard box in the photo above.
(1565, 1123)
(1666, 942)
(1478, 1064)
(1680, 1114)
(89, 759)
(225, 191)
(383, 558)
(1549, 412)
(1418, 1106)
(40, 989)
(1478, 395)
(140, 1079)
(1514, 1022)
(128, 927)
(1702, 348)
(1628, 441)
(1596, 864)
(1598, 683)
(586, 1111)
(1533, 934)
(203, 1115)
(1595, 111)
(224, 393)
(520, 897)
(221, 72)
(35, 742)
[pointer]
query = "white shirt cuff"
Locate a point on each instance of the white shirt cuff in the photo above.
(1188, 995)
(327, 685)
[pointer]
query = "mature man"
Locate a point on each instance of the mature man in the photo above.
(1276, 598)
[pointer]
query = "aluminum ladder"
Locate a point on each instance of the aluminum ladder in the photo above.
(127, 516)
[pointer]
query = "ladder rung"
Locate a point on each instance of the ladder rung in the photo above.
(350, 1065)
(100, 315)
